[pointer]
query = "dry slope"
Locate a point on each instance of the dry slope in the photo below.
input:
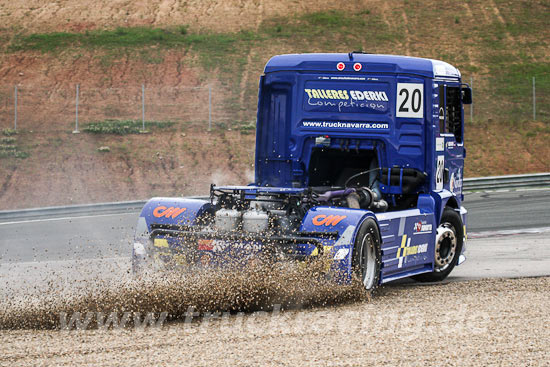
(500, 44)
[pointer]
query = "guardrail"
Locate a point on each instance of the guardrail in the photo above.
(507, 182)
(470, 184)
(60, 211)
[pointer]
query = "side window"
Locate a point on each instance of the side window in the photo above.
(450, 111)
(453, 112)
(442, 129)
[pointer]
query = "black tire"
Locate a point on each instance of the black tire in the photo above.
(367, 255)
(446, 252)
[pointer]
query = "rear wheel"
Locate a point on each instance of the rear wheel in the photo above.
(367, 255)
(448, 246)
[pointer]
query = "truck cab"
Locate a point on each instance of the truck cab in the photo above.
(324, 117)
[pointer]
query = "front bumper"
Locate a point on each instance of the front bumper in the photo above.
(184, 246)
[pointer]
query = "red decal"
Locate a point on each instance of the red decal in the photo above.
(327, 221)
(171, 212)
(319, 219)
(205, 245)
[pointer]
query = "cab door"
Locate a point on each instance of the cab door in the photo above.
(450, 150)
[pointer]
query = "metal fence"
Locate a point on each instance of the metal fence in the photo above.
(61, 109)
(68, 107)
(523, 99)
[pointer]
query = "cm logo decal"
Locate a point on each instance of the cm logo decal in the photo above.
(327, 220)
(171, 212)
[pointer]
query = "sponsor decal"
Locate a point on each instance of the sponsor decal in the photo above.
(346, 98)
(414, 250)
(220, 246)
(422, 227)
(160, 242)
(407, 250)
(455, 184)
(346, 125)
(357, 95)
(327, 221)
(205, 245)
(346, 78)
(439, 144)
(451, 145)
(171, 212)
(326, 250)
(341, 254)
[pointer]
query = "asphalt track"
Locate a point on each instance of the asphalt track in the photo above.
(509, 237)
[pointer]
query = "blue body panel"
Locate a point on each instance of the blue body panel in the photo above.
(342, 220)
(157, 211)
(407, 243)
(389, 64)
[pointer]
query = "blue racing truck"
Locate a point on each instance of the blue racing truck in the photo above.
(359, 160)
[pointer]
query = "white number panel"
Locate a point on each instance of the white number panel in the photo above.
(410, 100)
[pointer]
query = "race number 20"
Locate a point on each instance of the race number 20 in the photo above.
(410, 100)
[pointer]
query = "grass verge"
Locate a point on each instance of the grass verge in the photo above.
(123, 127)
(9, 147)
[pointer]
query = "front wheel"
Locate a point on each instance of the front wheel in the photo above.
(448, 246)
(367, 255)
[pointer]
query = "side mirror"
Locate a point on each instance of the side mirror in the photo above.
(466, 95)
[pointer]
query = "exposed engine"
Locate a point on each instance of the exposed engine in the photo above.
(235, 209)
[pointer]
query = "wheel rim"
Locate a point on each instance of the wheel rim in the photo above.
(367, 260)
(445, 246)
